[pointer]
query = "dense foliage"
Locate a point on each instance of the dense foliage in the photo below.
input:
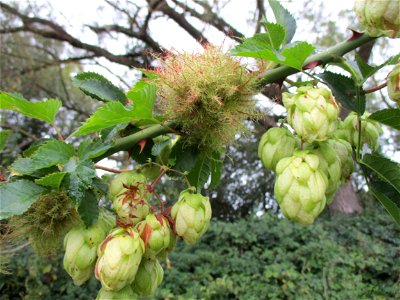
(346, 257)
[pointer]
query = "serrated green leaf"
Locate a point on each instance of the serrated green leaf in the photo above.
(91, 148)
(216, 169)
(100, 185)
(388, 197)
(389, 117)
(88, 208)
(16, 197)
(52, 180)
(253, 48)
(393, 60)
(283, 17)
(108, 134)
(293, 56)
(49, 154)
(274, 36)
(110, 114)
(344, 90)
(200, 173)
(364, 69)
(143, 95)
(159, 147)
(3, 138)
(44, 110)
(296, 54)
(33, 147)
(79, 179)
(98, 87)
(184, 157)
(386, 169)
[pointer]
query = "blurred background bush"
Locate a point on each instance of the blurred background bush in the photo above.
(341, 257)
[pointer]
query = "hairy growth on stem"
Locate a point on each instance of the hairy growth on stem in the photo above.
(46, 222)
(208, 94)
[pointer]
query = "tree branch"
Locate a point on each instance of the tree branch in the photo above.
(271, 76)
(180, 19)
(324, 57)
(212, 19)
(36, 25)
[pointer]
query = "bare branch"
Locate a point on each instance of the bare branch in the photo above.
(162, 6)
(56, 32)
(211, 18)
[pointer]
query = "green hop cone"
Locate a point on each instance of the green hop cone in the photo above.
(119, 257)
(370, 130)
(127, 191)
(156, 234)
(330, 166)
(345, 154)
(379, 17)
(148, 277)
(119, 184)
(300, 187)
(125, 293)
(276, 144)
(192, 214)
(393, 84)
(80, 245)
(312, 112)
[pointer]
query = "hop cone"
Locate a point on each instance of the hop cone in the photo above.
(370, 130)
(127, 191)
(122, 181)
(119, 258)
(345, 154)
(156, 234)
(312, 112)
(379, 17)
(81, 244)
(300, 187)
(192, 214)
(275, 144)
(148, 277)
(125, 293)
(393, 84)
(330, 166)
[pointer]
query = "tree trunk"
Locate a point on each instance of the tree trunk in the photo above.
(345, 201)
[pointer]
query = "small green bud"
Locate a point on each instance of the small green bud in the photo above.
(276, 144)
(148, 277)
(119, 258)
(300, 187)
(156, 234)
(80, 245)
(312, 112)
(192, 214)
(125, 293)
(379, 17)
(393, 84)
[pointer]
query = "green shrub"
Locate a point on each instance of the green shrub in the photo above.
(343, 257)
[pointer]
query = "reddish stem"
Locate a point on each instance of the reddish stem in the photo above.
(375, 88)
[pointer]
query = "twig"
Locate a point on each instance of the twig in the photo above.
(110, 169)
(375, 88)
(58, 132)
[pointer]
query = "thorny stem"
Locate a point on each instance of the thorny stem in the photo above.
(270, 76)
